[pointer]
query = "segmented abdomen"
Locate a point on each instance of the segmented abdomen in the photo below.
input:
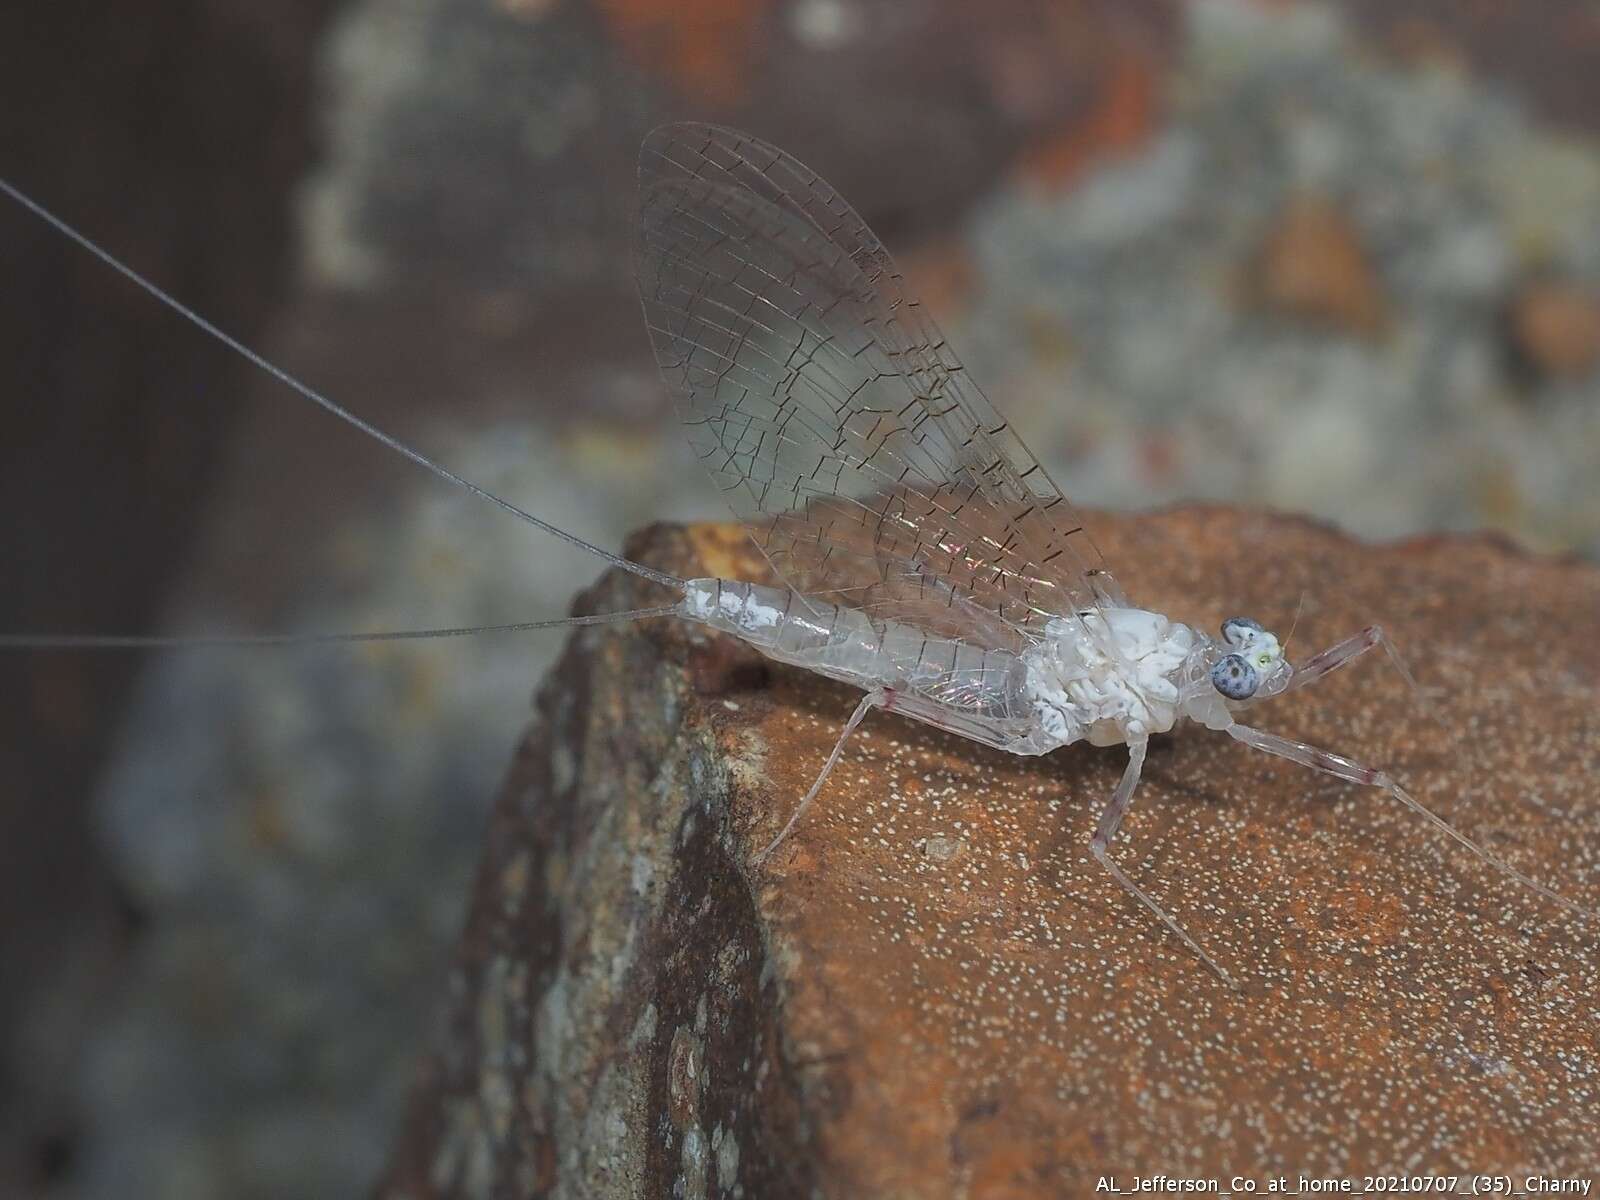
(847, 644)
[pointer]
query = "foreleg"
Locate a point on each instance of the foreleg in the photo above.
(1348, 769)
(1347, 651)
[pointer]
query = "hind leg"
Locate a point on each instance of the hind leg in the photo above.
(881, 698)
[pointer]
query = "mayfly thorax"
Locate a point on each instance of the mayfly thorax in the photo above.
(925, 556)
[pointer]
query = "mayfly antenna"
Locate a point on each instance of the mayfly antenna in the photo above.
(1299, 607)
(316, 397)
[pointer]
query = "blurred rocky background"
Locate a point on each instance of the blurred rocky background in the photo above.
(1339, 258)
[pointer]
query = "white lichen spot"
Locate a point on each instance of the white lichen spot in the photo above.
(683, 1078)
(479, 1179)
(643, 873)
(554, 1022)
(730, 957)
(726, 1148)
(748, 762)
(563, 769)
(943, 849)
(493, 1020)
(644, 1029)
(695, 1174)
(460, 1121)
(622, 961)
(497, 1099)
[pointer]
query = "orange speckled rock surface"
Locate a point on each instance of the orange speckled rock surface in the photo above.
(932, 990)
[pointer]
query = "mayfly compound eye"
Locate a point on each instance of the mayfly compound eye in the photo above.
(1234, 677)
(1236, 631)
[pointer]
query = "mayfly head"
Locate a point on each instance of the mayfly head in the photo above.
(1255, 668)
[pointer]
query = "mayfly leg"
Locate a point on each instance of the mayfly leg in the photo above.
(1343, 653)
(1348, 769)
(880, 698)
(1100, 846)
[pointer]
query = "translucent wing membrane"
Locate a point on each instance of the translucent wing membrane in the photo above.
(831, 411)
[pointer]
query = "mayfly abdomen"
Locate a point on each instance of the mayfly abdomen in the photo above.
(847, 644)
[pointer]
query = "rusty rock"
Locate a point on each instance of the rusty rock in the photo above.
(638, 1010)
(1313, 267)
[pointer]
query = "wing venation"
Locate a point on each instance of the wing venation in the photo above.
(829, 408)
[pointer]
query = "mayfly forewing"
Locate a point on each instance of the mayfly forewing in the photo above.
(829, 408)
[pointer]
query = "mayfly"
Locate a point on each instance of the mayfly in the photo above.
(925, 555)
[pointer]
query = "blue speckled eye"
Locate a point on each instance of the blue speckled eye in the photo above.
(1234, 677)
(1236, 631)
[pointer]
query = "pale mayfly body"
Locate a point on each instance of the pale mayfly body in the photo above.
(926, 556)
